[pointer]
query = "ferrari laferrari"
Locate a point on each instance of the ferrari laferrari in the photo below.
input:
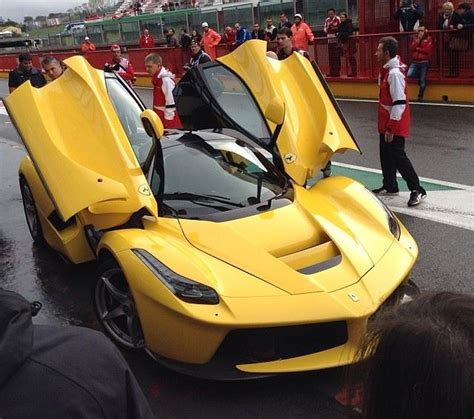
(215, 254)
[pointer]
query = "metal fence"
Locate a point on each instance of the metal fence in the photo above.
(450, 58)
(451, 61)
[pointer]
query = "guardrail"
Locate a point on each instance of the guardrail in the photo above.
(446, 64)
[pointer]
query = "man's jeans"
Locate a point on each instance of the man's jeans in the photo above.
(419, 70)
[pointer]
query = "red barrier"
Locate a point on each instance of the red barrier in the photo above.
(447, 65)
(8, 62)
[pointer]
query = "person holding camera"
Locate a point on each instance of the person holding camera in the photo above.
(421, 49)
(120, 65)
(409, 14)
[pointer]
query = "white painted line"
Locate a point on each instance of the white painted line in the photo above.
(3, 110)
(454, 105)
(423, 179)
(455, 208)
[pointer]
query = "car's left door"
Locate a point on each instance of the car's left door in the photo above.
(79, 142)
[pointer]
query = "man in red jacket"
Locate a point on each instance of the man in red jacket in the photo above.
(163, 85)
(421, 49)
(146, 40)
(394, 124)
(120, 65)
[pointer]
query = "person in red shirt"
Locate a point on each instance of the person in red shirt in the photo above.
(163, 85)
(394, 124)
(210, 39)
(331, 28)
(146, 40)
(302, 34)
(421, 49)
(229, 36)
(120, 65)
(87, 46)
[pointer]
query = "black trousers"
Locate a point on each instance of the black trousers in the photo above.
(393, 158)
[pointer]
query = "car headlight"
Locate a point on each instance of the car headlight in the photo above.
(184, 288)
(392, 221)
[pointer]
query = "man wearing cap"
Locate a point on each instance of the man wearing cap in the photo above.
(120, 65)
(302, 34)
(210, 39)
(146, 40)
(198, 56)
(163, 85)
(87, 46)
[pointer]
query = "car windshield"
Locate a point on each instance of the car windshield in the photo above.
(199, 177)
(128, 110)
(236, 101)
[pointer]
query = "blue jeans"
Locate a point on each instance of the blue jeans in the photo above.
(419, 70)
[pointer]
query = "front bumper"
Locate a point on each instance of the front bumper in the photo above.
(191, 337)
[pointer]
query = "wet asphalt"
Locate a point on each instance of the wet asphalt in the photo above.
(441, 148)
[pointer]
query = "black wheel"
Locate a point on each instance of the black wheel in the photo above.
(31, 214)
(115, 307)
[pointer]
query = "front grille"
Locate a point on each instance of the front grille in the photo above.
(244, 346)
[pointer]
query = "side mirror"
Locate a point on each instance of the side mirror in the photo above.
(152, 124)
(275, 111)
(154, 128)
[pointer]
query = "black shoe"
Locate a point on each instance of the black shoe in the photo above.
(384, 191)
(327, 171)
(416, 197)
(420, 99)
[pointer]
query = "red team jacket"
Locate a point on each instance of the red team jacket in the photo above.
(163, 101)
(394, 110)
(421, 50)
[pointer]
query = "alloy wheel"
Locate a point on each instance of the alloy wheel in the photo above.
(31, 214)
(116, 308)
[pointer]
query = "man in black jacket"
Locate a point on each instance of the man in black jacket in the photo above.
(409, 14)
(61, 372)
(25, 71)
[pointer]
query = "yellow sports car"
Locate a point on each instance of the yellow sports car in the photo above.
(216, 256)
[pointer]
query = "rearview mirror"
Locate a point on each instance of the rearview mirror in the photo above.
(152, 124)
(275, 111)
(154, 128)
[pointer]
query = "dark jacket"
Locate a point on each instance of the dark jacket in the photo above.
(453, 20)
(61, 372)
(185, 41)
(467, 19)
(16, 78)
(200, 58)
(408, 17)
(260, 34)
(345, 31)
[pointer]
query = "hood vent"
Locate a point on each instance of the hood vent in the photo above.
(314, 259)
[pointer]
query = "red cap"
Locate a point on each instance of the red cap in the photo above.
(115, 47)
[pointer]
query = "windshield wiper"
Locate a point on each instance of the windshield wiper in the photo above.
(189, 196)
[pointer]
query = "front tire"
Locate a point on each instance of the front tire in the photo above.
(31, 213)
(115, 307)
